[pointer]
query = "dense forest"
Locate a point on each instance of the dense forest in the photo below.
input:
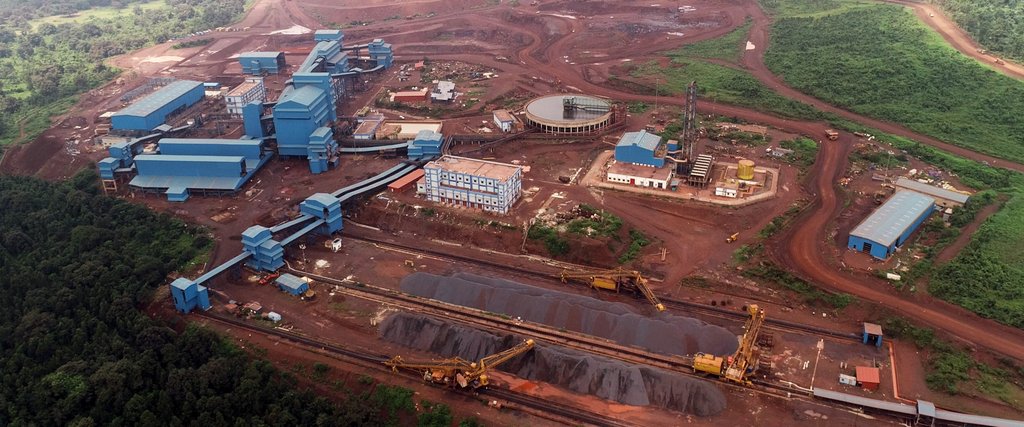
(75, 266)
(996, 24)
(29, 9)
(42, 65)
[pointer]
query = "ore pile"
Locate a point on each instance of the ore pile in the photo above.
(664, 334)
(569, 369)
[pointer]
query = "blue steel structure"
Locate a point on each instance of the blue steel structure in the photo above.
(151, 111)
(322, 151)
(292, 284)
(889, 227)
(641, 148)
(427, 144)
(381, 53)
(267, 253)
(252, 119)
(328, 35)
(217, 166)
(257, 63)
(250, 149)
(189, 296)
(297, 114)
(325, 207)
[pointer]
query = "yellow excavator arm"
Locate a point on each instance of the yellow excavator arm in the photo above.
(618, 277)
(456, 371)
(745, 357)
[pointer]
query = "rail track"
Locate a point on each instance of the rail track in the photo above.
(537, 404)
(774, 324)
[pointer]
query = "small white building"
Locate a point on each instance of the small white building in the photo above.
(477, 184)
(640, 175)
(251, 90)
(504, 120)
(443, 92)
(725, 191)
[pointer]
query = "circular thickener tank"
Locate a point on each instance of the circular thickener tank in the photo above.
(568, 114)
(745, 169)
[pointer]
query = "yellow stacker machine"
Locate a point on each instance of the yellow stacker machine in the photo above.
(460, 372)
(744, 361)
(616, 280)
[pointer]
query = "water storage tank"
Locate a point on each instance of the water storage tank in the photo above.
(745, 170)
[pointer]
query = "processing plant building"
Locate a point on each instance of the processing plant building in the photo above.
(251, 90)
(477, 184)
(568, 114)
(147, 113)
(206, 166)
(889, 227)
(257, 63)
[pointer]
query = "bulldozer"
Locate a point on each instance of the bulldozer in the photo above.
(732, 237)
(616, 280)
(740, 365)
(458, 372)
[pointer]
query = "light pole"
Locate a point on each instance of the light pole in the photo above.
(302, 247)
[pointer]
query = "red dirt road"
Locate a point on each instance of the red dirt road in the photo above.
(934, 17)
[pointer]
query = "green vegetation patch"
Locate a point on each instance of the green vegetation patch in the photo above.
(809, 293)
(720, 84)
(727, 48)
(805, 150)
(884, 63)
(637, 241)
(553, 242)
(995, 24)
(595, 223)
(810, 8)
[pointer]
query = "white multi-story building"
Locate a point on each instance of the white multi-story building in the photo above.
(477, 184)
(252, 89)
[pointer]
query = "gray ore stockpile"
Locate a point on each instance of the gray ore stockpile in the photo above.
(665, 333)
(581, 373)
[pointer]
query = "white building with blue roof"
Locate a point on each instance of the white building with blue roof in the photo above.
(889, 227)
(641, 148)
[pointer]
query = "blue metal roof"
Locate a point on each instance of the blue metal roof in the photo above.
(182, 283)
(245, 142)
(647, 141)
(890, 220)
(977, 420)
(188, 158)
(256, 233)
(156, 100)
(323, 199)
(932, 190)
(290, 281)
(306, 96)
(321, 132)
(220, 183)
(427, 135)
(259, 55)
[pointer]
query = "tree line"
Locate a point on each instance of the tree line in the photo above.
(75, 350)
(996, 24)
(42, 65)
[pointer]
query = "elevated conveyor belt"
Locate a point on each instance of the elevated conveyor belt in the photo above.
(374, 149)
(373, 183)
(223, 267)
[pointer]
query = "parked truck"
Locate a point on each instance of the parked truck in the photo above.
(831, 134)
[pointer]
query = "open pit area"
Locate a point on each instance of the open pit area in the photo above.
(688, 244)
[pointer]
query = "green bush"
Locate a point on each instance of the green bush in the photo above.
(555, 244)
(435, 415)
(638, 240)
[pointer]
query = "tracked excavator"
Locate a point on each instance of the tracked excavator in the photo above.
(616, 280)
(458, 372)
(737, 367)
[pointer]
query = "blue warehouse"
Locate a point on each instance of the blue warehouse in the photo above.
(152, 111)
(188, 295)
(641, 148)
(297, 114)
(251, 149)
(889, 227)
(292, 284)
(257, 63)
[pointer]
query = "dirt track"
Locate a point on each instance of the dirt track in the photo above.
(934, 17)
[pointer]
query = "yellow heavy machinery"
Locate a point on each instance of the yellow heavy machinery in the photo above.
(831, 134)
(457, 372)
(735, 368)
(732, 237)
(615, 280)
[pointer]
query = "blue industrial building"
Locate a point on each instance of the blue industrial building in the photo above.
(292, 284)
(251, 149)
(888, 227)
(328, 35)
(427, 144)
(322, 151)
(267, 253)
(641, 148)
(189, 296)
(381, 53)
(151, 111)
(327, 208)
(297, 114)
(252, 119)
(257, 63)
